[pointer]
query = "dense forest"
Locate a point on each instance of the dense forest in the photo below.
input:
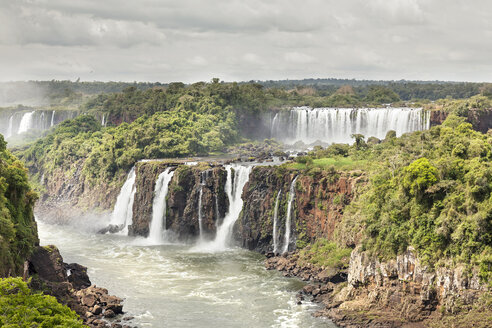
(430, 190)
(18, 233)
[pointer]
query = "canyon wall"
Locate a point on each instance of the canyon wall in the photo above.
(481, 120)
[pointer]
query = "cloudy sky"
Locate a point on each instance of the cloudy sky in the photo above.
(191, 40)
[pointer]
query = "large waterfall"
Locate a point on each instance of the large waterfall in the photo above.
(292, 193)
(336, 125)
(158, 223)
(237, 177)
(123, 209)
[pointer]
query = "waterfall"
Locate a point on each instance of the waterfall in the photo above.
(234, 189)
(275, 218)
(200, 218)
(123, 209)
(336, 125)
(10, 128)
(217, 214)
(26, 122)
(292, 194)
(52, 118)
(158, 223)
(103, 122)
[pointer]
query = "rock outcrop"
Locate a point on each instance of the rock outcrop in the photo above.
(71, 285)
(318, 206)
(480, 119)
(182, 198)
(397, 293)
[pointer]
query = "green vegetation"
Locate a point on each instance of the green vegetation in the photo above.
(108, 152)
(339, 163)
(18, 233)
(326, 253)
(20, 307)
(430, 190)
(461, 107)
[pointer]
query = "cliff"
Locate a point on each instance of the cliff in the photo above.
(318, 206)
(182, 198)
(481, 120)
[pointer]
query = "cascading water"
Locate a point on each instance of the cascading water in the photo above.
(234, 189)
(158, 223)
(10, 128)
(336, 125)
(200, 218)
(26, 122)
(123, 209)
(289, 215)
(52, 119)
(275, 219)
(103, 122)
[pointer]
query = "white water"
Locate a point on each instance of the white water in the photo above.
(336, 125)
(158, 223)
(9, 129)
(52, 119)
(168, 286)
(292, 194)
(234, 189)
(275, 219)
(103, 122)
(200, 214)
(26, 122)
(123, 209)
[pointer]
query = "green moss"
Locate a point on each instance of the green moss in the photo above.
(326, 253)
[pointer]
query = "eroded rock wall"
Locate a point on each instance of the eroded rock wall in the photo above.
(320, 199)
(481, 120)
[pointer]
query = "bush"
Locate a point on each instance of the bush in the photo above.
(20, 307)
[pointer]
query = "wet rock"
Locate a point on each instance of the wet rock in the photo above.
(112, 228)
(89, 300)
(78, 276)
(97, 309)
(47, 263)
(109, 314)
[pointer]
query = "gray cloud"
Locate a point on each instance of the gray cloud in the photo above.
(191, 40)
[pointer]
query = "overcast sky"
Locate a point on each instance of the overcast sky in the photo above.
(192, 40)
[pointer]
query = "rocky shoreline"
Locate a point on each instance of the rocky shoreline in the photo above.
(397, 293)
(70, 285)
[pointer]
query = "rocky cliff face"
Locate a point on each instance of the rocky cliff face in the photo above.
(182, 198)
(66, 192)
(388, 282)
(318, 206)
(481, 120)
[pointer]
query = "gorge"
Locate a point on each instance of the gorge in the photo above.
(172, 209)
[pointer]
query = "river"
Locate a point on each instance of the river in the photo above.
(173, 286)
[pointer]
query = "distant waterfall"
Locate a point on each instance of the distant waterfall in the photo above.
(158, 223)
(10, 127)
(336, 125)
(103, 121)
(292, 194)
(123, 209)
(275, 219)
(26, 122)
(52, 119)
(234, 189)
